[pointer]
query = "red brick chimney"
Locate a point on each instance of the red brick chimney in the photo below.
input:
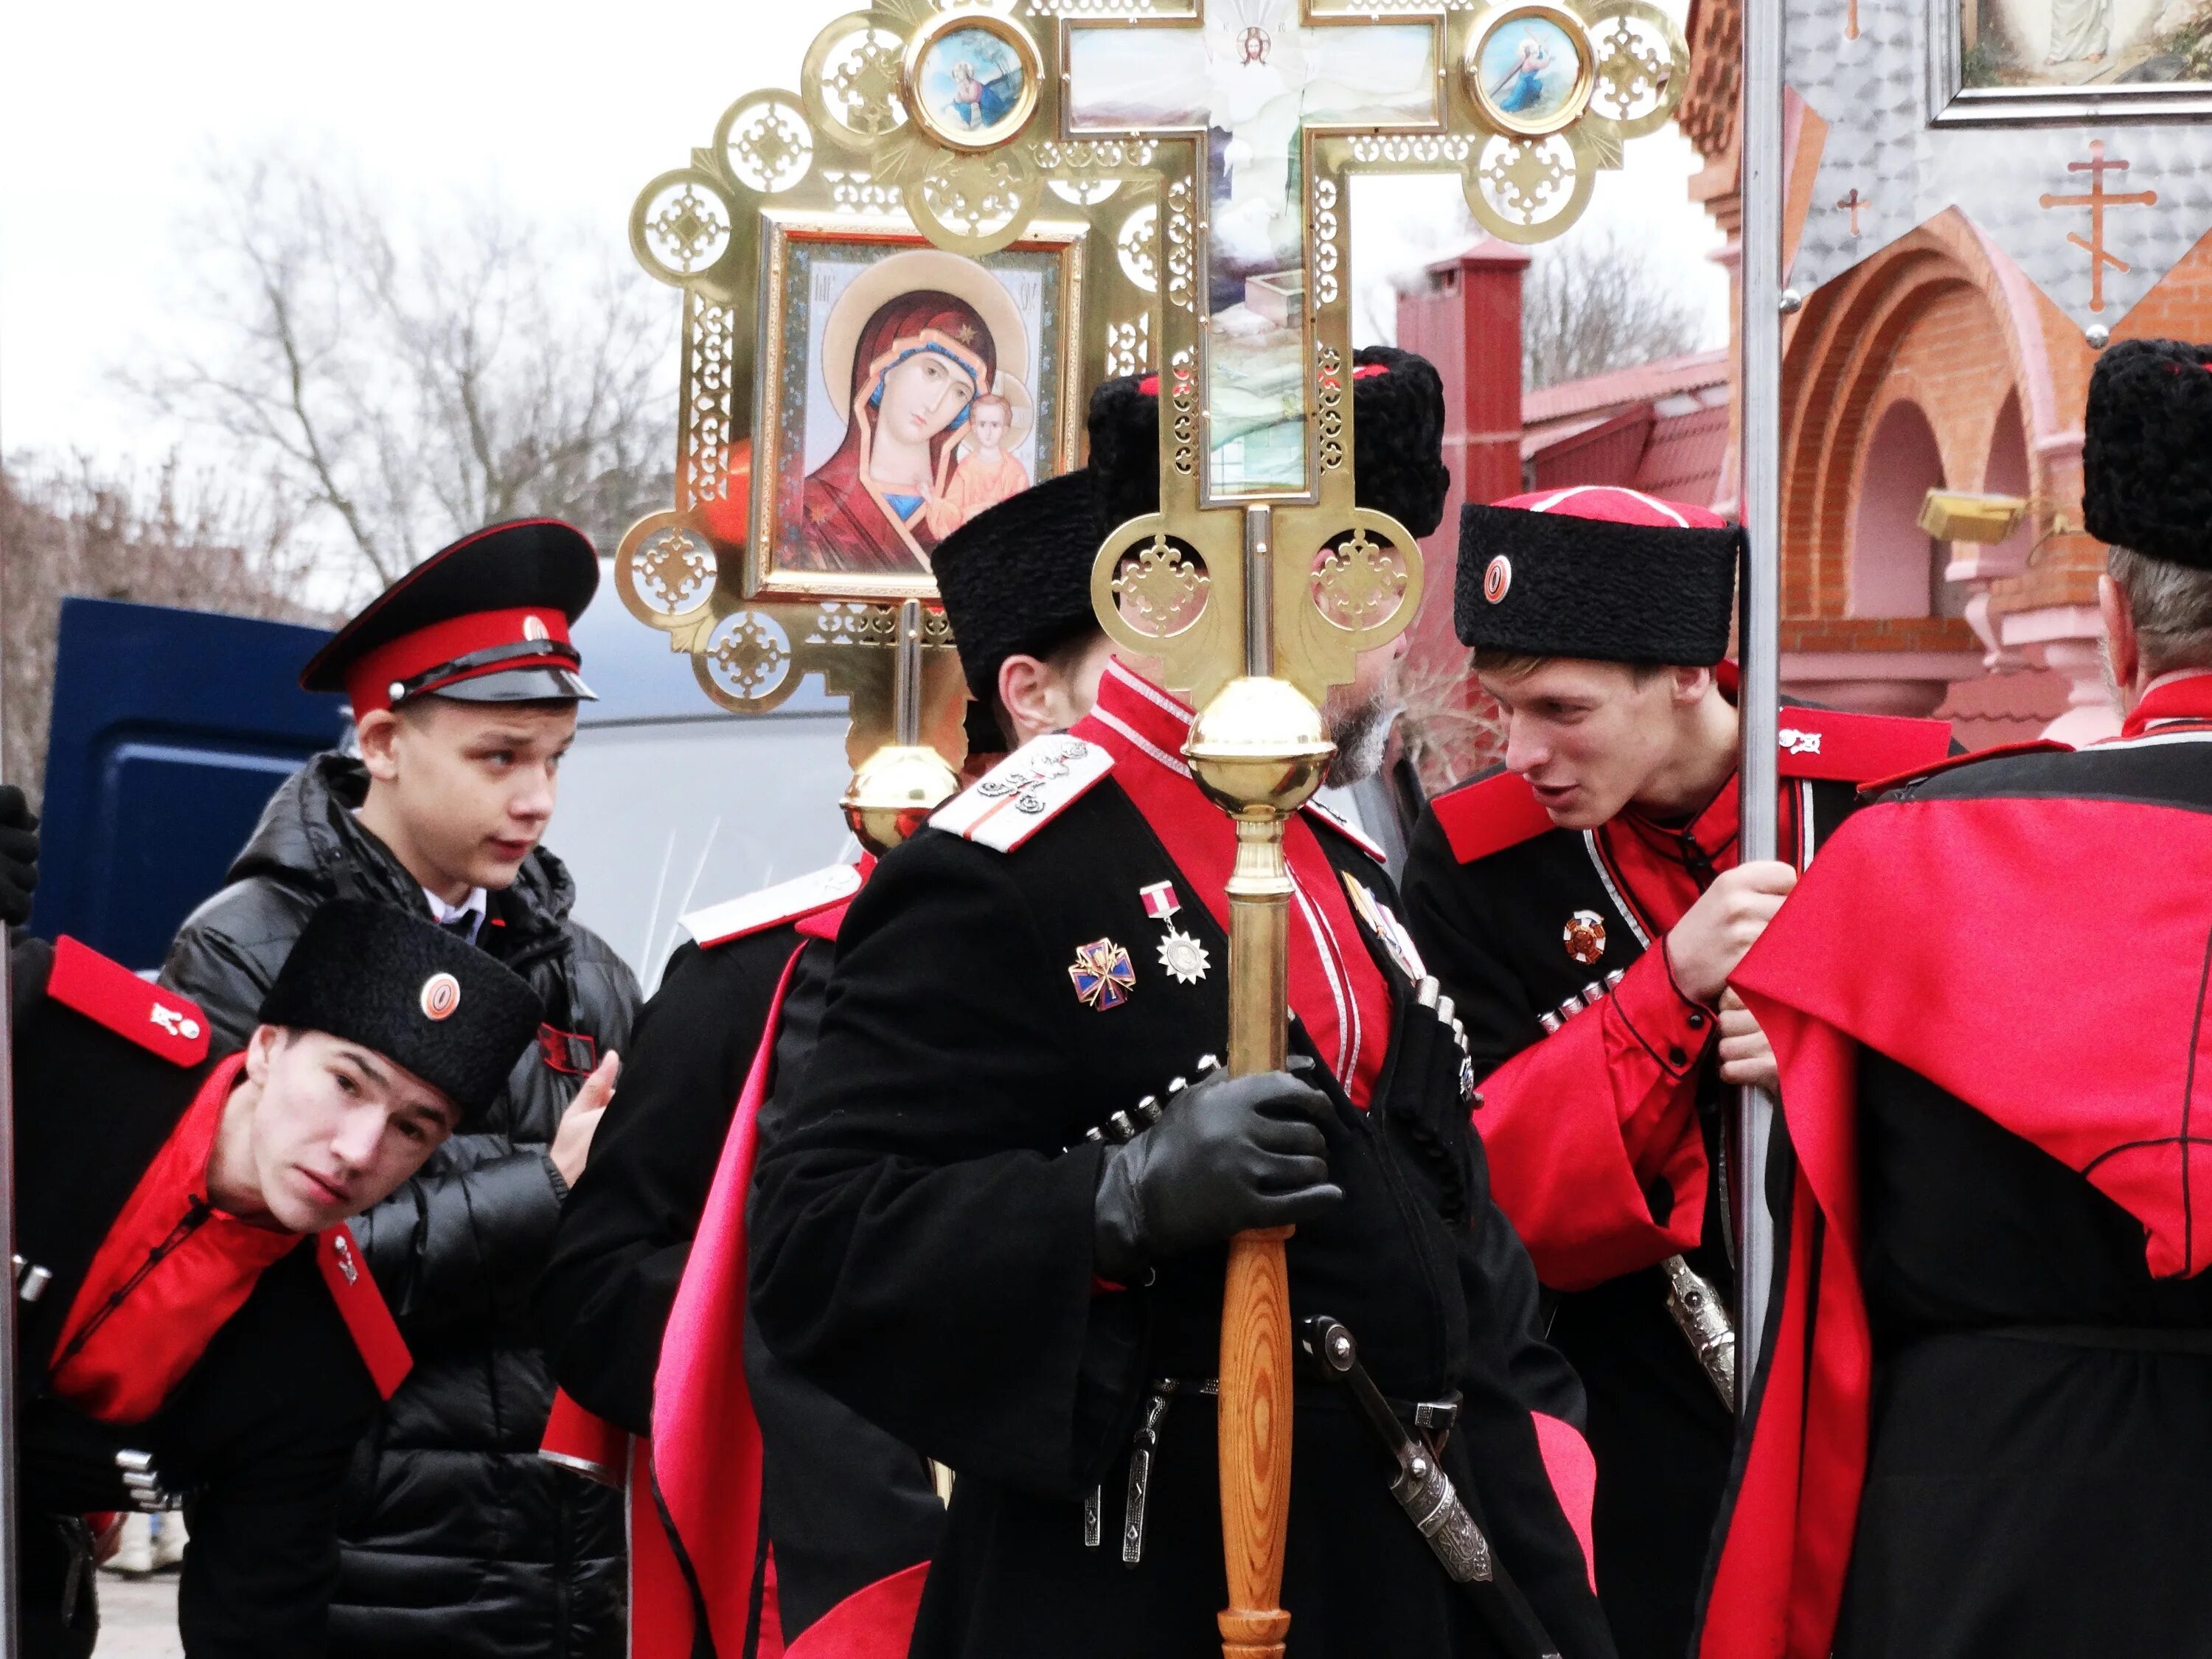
(1466, 319)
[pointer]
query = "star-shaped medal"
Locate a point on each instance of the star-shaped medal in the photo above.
(1102, 975)
(1183, 956)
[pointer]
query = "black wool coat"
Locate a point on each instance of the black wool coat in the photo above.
(923, 1249)
(459, 1539)
(843, 1503)
(261, 1429)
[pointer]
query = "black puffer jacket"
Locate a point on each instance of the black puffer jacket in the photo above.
(459, 1539)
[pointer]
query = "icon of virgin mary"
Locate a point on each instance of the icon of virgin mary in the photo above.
(908, 349)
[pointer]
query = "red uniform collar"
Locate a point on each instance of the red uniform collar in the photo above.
(2187, 697)
(171, 1270)
(1336, 990)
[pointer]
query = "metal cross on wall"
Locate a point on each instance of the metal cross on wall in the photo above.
(2096, 199)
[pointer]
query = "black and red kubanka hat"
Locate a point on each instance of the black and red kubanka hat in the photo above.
(2146, 451)
(403, 987)
(485, 620)
(1597, 571)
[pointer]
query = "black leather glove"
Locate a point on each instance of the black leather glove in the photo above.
(74, 1464)
(1228, 1154)
(19, 855)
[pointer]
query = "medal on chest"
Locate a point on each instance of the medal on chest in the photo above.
(1184, 958)
(1585, 936)
(1397, 944)
(1102, 975)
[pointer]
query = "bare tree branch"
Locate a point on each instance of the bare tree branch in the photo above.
(412, 376)
(1593, 303)
(66, 528)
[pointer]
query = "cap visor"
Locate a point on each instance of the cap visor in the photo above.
(519, 685)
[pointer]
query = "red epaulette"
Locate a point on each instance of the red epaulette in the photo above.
(106, 993)
(1351, 832)
(1835, 745)
(1490, 815)
(368, 1319)
(1952, 762)
(772, 907)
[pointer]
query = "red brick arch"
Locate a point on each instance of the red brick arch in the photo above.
(1934, 320)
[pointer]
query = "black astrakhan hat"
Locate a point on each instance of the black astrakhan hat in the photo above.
(1016, 578)
(1397, 433)
(485, 620)
(425, 1000)
(1596, 571)
(2146, 451)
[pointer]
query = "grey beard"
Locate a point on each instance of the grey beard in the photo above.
(1362, 736)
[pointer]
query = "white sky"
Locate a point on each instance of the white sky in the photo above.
(107, 112)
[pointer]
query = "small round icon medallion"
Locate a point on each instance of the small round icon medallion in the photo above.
(1584, 936)
(441, 994)
(1497, 579)
(533, 627)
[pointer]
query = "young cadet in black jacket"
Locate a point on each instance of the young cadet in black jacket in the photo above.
(971, 1228)
(459, 1539)
(1582, 906)
(196, 1322)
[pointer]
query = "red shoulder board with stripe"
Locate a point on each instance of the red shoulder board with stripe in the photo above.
(1351, 832)
(108, 994)
(1490, 815)
(1836, 746)
(361, 1304)
(772, 907)
(1952, 762)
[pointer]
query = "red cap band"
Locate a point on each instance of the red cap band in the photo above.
(370, 681)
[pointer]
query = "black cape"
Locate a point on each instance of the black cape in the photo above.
(922, 1248)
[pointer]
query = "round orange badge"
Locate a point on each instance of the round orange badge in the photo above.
(441, 994)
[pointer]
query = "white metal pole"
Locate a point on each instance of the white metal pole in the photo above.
(1760, 470)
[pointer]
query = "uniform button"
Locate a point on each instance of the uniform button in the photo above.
(1676, 1057)
(1696, 1021)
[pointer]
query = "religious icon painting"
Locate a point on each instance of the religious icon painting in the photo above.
(903, 389)
(971, 79)
(2050, 61)
(1530, 67)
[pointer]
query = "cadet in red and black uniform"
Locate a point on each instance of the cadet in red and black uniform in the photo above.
(1986, 1427)
(198, 1324)
(847, 1515)
(1541, 894)
(995, 1219)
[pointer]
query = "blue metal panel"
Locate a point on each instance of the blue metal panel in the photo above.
(171, 730)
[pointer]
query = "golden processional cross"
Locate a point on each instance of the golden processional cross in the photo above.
(1259, 581)
(1200, 155)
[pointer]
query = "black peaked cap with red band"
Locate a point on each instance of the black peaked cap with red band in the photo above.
(485, 620)
(402, 987)
(2146, 451)
(1597, 571)
(1397, 438)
